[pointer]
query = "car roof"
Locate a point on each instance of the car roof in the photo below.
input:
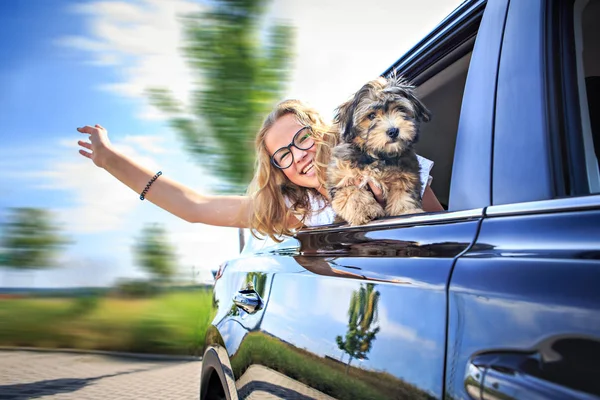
(443, 29)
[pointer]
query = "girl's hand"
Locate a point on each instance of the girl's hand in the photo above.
(99, 145)
(378, 193)
(376, 190)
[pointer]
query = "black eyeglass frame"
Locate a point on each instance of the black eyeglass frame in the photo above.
(289, 146)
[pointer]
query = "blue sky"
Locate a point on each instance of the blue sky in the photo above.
(66, 63)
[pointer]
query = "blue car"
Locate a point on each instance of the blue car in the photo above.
(498, 296)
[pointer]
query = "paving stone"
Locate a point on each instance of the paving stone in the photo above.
(48, 375)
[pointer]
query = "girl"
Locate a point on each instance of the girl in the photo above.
(287, 191)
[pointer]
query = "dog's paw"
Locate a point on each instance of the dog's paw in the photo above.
(396, 211)
(366, 215)
(417, 210)
(356, 206)
(400, 204)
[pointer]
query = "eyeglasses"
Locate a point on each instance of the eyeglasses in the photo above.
(303, 140)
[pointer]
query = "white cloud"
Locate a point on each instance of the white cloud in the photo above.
(397, 331)
(148, 143)
(83, 43)
(97, 201)
(116, 10)
(100, 202)
(142, 40)
(197, 245)
(343, 44)
(335, 310)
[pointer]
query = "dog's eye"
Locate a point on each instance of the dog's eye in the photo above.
(372, 116)
(402, 109)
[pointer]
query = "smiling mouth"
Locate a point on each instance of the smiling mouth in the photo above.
(307, 169)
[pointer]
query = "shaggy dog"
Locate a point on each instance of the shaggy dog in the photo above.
(377, 129)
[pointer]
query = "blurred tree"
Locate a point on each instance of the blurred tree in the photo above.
(30, 239)
(258, 280)
(361, 315)
(154, 253)
(240, 68)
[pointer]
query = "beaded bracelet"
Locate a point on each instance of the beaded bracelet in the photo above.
(143, 195)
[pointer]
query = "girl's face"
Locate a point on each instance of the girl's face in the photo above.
(301, 171)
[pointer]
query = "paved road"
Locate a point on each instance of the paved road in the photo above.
(47, 375)
(262, 383)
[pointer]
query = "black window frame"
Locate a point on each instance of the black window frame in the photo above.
(567, 149)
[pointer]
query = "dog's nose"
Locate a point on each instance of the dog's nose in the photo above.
(393, 132)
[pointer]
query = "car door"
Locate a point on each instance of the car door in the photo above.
(360, 312)
(524, 304)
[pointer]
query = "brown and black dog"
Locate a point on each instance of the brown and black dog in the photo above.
(377, 129)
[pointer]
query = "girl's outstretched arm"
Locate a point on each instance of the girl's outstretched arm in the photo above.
(179, 200)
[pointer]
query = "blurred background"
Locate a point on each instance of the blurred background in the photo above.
(182, 87)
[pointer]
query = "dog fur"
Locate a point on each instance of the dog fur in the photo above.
(377, 129)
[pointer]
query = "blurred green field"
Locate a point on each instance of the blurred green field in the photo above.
(169, 323)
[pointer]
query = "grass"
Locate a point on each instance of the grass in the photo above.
(327, 376)
(170, 323)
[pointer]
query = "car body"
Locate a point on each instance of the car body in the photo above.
(496, 297)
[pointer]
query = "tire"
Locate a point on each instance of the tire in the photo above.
(212, 380)
(215, 389)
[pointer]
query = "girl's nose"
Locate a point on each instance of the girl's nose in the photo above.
(298, 154)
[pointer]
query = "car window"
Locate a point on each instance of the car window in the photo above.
(440, 74)
(587, 53)
(442, 93)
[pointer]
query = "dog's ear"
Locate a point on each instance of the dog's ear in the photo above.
(344, 119)
(422, 113)
(344, 114)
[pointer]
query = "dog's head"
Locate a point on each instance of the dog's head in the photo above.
(382, 117)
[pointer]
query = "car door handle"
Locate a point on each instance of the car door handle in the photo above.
(248, 300)
(503, 383)
(514, 376)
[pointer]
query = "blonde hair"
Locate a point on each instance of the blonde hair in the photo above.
(270, 187)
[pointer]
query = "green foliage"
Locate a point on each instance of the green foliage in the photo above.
(361, 315)
(258, 281)
(30, 239)
(240, 69)
(151, 333)
(84, 304)
(169, 323)
(135, 288)
(33, 322)
(154, 253)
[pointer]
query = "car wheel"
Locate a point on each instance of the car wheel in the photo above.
(214, 391)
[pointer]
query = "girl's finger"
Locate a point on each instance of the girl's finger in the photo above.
(87, 129)
(99, 126)
(85, 154)
(377, 192)
(375, 189)
(85, 144)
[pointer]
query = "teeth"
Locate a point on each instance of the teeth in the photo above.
(305, 170)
